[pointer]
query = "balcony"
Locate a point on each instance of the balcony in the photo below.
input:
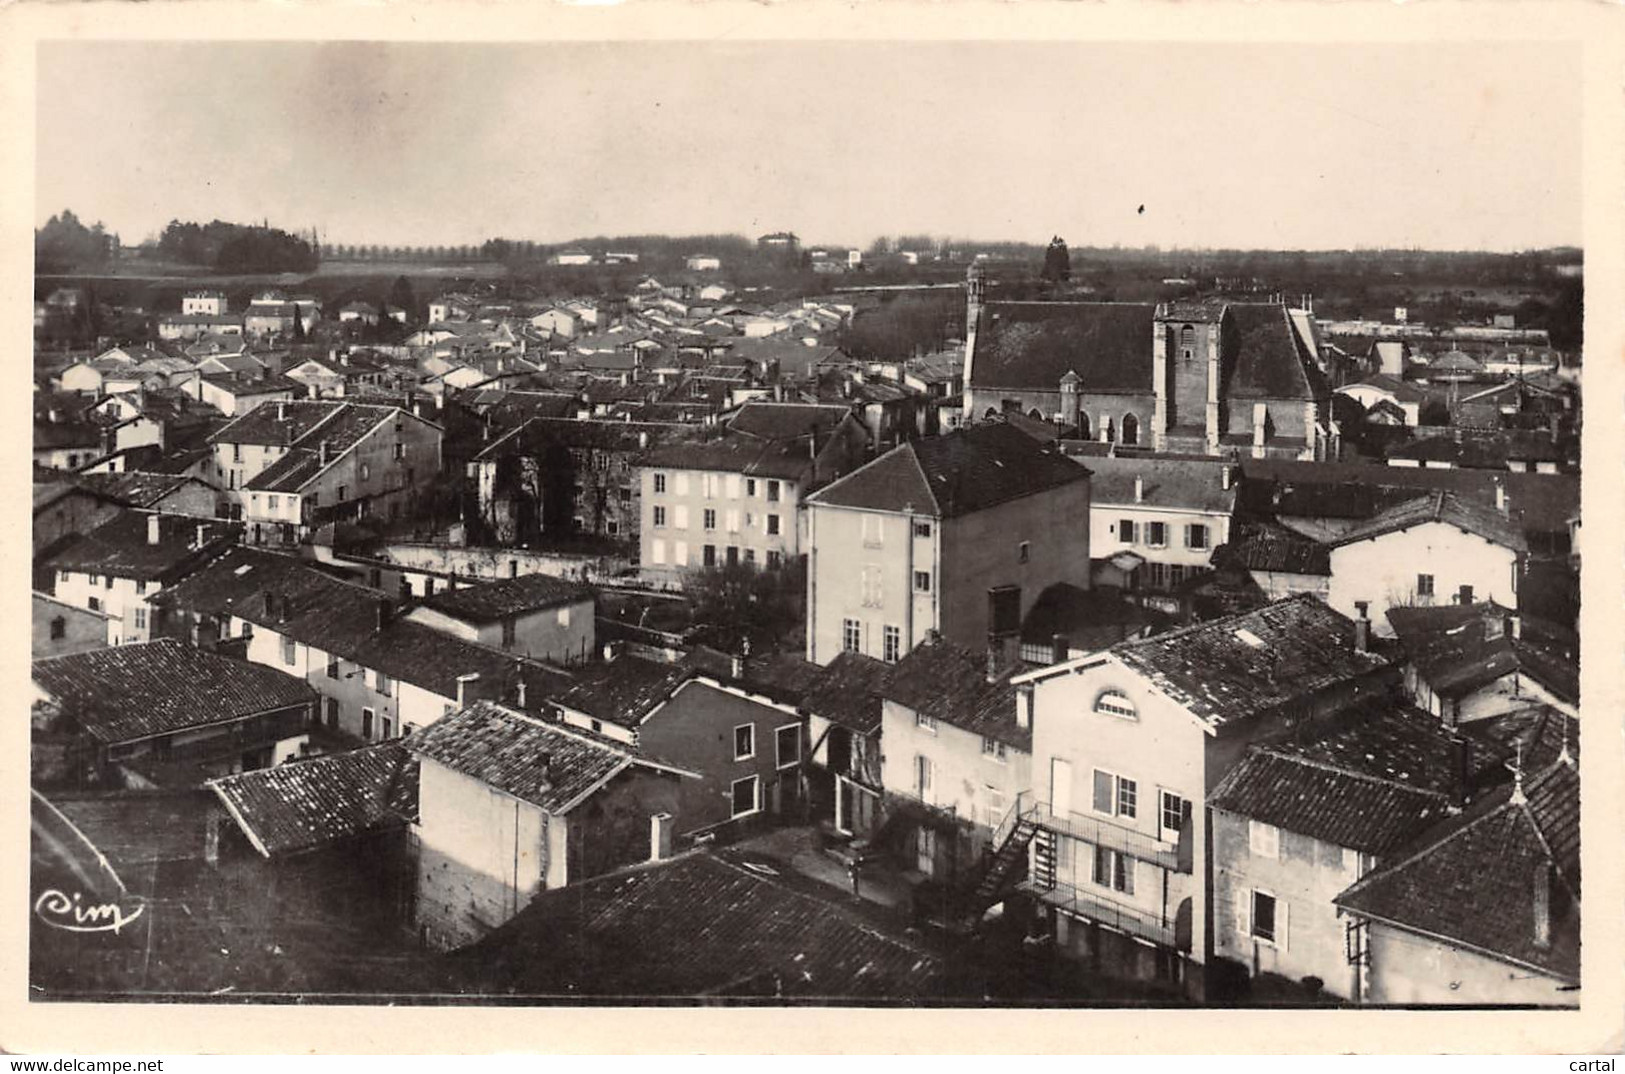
(1091, 903)
(1102, 831)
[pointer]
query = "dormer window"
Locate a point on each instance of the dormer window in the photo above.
(1116, 703)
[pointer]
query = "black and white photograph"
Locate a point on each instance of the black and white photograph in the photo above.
(789, 523)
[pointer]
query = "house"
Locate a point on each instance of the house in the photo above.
(558, 321)
(736, 498)
(1434, 549)
(957, 534)
(1298, 821)
(1390, 389)
(170, 494)
(571, 257)
(1171, 512)
(162, 713)
(1452, 367)
(174, 327)
(702, 263)
(1470, 662)
(379, 675)
(209, 302)
(234, 395)
(358, 312)
(120, 565)
(534, 614)
(451, 307)
(1282, 561)
(60, 628)
(339, 375)
(744, 746)
(844, 713)
(510, 805)
(957, 756)
(563, 477)
(1127, 745)
(65, 509)
(700, 925)
(1484, 908)
(1205, 377)
(67, 445)
(1066, 622)
(290, 467)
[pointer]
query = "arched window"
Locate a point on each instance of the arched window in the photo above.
(992, 412)
(1116, 703)
(1036, 414)
(1131, 429)
(1187, 343)
(1108, 432)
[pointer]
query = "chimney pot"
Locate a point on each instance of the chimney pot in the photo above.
(466, 688)
(1139, 489)
(521, 693)
(660, 830)
(154, 528)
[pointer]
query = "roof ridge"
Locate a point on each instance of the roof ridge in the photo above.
(1272, 750)
(1464, 824)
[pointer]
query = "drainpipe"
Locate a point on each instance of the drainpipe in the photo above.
(908, 579)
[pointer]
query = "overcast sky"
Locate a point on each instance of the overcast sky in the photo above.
(1272, 146)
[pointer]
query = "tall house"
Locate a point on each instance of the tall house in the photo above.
(1210, 377)
(736, 498)
(1128, 744)
(957, 534)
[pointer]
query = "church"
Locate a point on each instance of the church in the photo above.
(1206, 377)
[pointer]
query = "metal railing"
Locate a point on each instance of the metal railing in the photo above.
(1091, 904)
(1107, 833)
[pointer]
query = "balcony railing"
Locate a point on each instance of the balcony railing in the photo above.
(1107, 833)
(1091, 903)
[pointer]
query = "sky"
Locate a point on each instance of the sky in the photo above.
(1283, 146)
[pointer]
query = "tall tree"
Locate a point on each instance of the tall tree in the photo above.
(401, 295)
(1057, 261)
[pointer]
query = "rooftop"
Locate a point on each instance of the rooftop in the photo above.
(957, 474)
(1261, 545)
(623, 691)
(1089, 619)
(940, 680)
(307, 805)
(1185, 484)
(1472, 880)
(847, 691)
(1035, 344)
(487, 602)
(1242, 665)
(786, 421)
(136, 691)
(1465, 514)
(123, 547)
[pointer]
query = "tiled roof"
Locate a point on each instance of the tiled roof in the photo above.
(625, 690)
(306, 805)
(1259, 545)
(1472, 880)
(1089, 619)
(943, 681)
(343, 429)
(78, 434)
(1269, 363)
(278, 424)
(121, 547)
(847, 692)
(1447, 507)
(1403, 391)
(135, 691)
(965, 471)
(1322, 802)
(1188, 484)
(694, 926)
(1236, 667)
(1035, 344)
(486, 602)
(786, 421)
(784, 459)
(533, 760)
(1459, 648)
(136, 487)
(536, 435)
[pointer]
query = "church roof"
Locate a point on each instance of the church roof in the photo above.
(1034, 344)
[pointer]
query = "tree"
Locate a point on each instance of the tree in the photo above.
(401, 295)
(1057, 261)
(738, 602)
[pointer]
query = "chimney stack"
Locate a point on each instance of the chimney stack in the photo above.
(281, 410)
(660, 829)
(1514, 626)
(268, 602)
(383, 610)
(1500, 496)
(1362, 633)
(1060, 647)
(466, 688)
(521, 693)
(1226, 477)
(322, 450)
(1139, 489)
(154, 528)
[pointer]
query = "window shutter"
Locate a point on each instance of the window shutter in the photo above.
(1282, 933)
(1103, 792)
(1244, 913)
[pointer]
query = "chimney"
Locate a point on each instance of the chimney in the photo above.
(1139, 489)
(202, 535)
(736, 666)
(1060, 647)
(1543, 904)
(521, 694)
(383, 610)
(281, 410)
(282, 603)
(154, 528)
(1024, 708)
(467, 687)
(322, 450)
(268, 602)
(660, 829)
(1227, 477)
(310, 392)
(1362, 633)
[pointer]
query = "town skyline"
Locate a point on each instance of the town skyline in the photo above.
(1420, 153)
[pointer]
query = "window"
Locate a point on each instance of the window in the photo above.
(141, 617)
(1172, 815)
(709, 555)
(383, 684)
(660, 484)
(660, 515)
(236, 453)
(992, 747)
(1113, 870)
(1125, 531)
(400, 451)
(922, 581)
(710, 519)
(851, 635)
(1196, 535)
(733, 521)
(774, 557)
(366, 472)
(744, 796)
(772, 525)
(508, 632)
(772, 492)
(891, 644)
(787, 745)
(874, 531)
(140, 586)
(925, 722)
(995, 805)
(1424, 585)
(744, 742)
(332, 667)
(682, 485)
(1261, 916)
(750, 486)
(1116, 703)
(274, 503)
(366, 724)
(341, 491)
(733, 486)
(923, 773)
(922, 529)
(1466, 596)
(1156, 534)
(679, 553)
(59, 628)
(680, 517)
(874, 589)
(1115, 796)
(1023, 551)
(1264, 839)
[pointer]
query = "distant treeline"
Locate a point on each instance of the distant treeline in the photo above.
(236, 248)
(66, 245)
